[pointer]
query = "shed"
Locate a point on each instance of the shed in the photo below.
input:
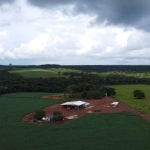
(114, 104)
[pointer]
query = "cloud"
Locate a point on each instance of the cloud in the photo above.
(62, 32)
(50, 3)
(129, 13)
(6, 1)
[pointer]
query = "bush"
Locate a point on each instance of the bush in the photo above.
(139, 94)
(94, 95)
(39, 114)
(110, 91)
(59, 117)
(55, 113)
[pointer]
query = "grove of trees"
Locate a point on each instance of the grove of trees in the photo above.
(84, 85)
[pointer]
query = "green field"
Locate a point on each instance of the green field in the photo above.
(58, 72)
(121, 73)
(125, 94)
(44, 73)
(121, 131)
(34, 72)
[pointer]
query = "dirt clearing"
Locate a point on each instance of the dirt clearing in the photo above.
(57, 97)
(103, 105)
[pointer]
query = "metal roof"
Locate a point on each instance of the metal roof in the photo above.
(74, 103)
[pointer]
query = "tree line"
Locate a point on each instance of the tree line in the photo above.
(12, 83)
(87, 68)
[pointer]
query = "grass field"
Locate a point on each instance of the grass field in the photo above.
(34, 72)
(58, 72)
(125, 94)
(121, 131)
(44, 73)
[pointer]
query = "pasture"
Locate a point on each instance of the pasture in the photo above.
(125, 94)
(121, 131)
(44, 73)
(58, 72)
(33, 72)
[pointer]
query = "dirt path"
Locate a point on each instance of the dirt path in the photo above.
(56, 97)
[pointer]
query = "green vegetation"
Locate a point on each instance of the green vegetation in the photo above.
(65, 72)
(58, 116)
(39, 114)
(44, 73)
(93, 131)
(125, 73)
(124, 93)
(139, 94)
(55, 113)
(37, 72)
(89, 91)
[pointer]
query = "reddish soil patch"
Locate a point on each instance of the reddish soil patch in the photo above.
(103, 104)
(56, 96)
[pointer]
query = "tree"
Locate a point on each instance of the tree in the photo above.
(110, 91)
(58, 116)
(55, 113)
(39, 114)
(139, 94)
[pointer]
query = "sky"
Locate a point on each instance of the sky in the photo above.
(75, 32)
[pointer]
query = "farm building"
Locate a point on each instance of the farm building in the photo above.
(75, 104)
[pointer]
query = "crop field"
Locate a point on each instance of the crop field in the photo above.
(125, 94)
(45, 73)
(121, 131)
(58, 72)
(127, 74)
(33, 72)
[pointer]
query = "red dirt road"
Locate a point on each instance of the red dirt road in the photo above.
(56, 96)
(103, 104)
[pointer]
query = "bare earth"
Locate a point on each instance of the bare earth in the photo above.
(103, 104)
(56, 96)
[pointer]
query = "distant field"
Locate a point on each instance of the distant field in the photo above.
(58, 72)
(33, 72)
(121, 131)
(45, 73)
(127, 74)
(125, 94)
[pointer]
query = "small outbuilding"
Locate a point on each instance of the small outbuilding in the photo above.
(114, 104)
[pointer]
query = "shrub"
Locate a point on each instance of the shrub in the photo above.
(39, 114)
(59, 117)
(139, 94)
(110, 91)
(55, 113)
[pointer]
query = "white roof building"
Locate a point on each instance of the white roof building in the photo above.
(114, 104)
(75, 103)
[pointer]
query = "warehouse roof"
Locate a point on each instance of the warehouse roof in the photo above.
(75, 103)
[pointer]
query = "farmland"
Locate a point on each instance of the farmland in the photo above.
(59, 72)
(44, 73)
(120, 131)
(36, 72)
(125, 94)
